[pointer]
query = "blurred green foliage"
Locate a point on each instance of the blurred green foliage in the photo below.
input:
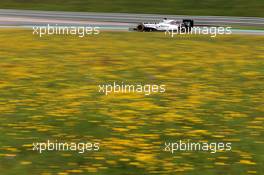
(177, 7)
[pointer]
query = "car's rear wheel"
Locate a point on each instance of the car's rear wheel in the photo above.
(188, 24)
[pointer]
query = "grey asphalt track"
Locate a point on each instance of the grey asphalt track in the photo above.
(117, 21)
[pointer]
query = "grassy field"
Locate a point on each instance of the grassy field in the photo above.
(49, 90)
(179, 7)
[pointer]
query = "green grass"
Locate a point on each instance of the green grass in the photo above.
(247, 27)
(49, 90)
(178, 7)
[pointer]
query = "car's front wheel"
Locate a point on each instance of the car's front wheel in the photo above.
(140, 28)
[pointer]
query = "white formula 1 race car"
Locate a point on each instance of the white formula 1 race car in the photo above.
(166, 25)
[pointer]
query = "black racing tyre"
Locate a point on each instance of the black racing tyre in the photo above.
(140, 28)
(188, 24)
